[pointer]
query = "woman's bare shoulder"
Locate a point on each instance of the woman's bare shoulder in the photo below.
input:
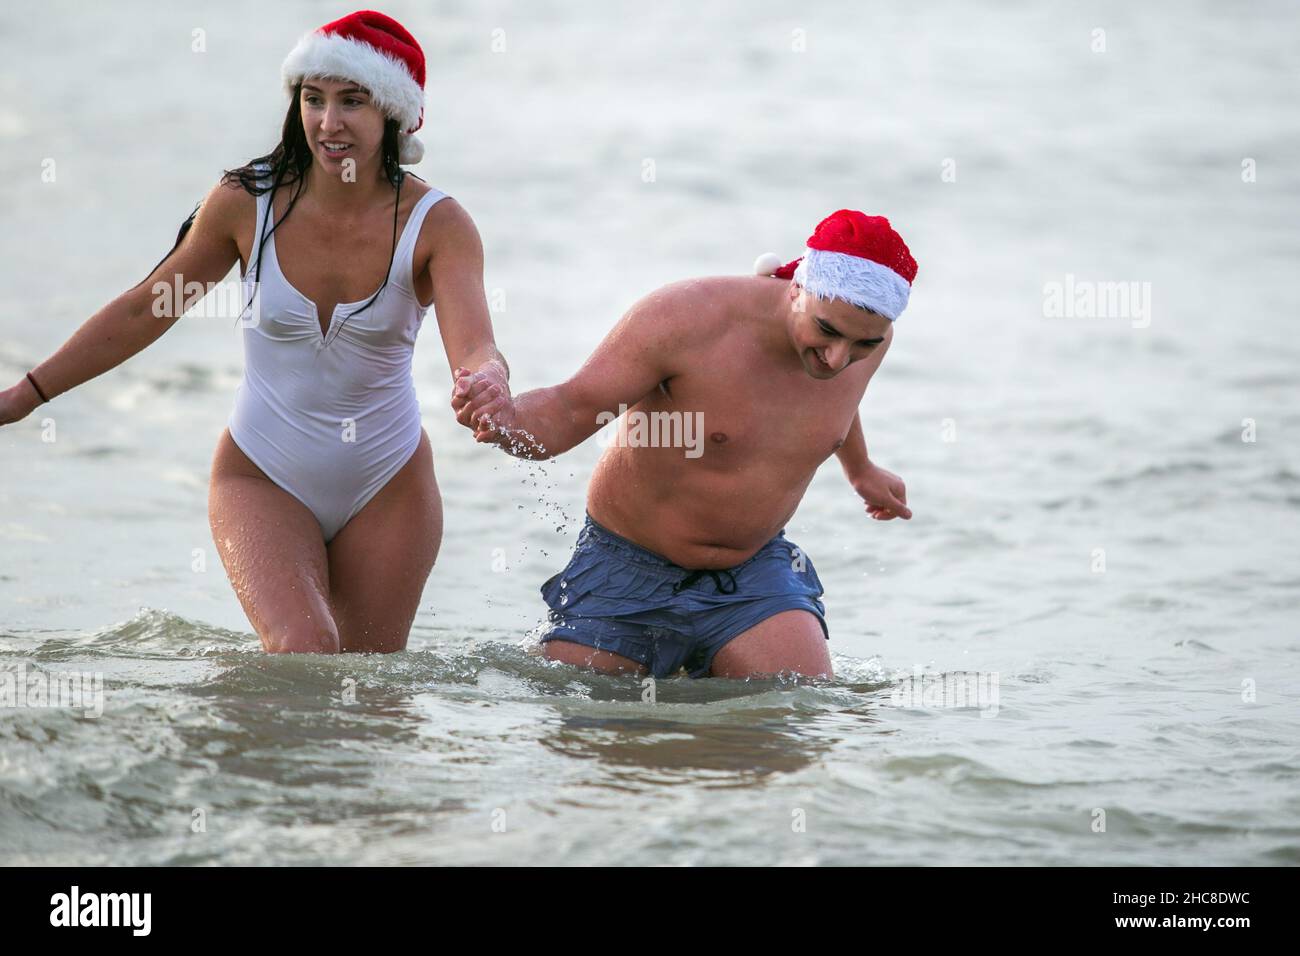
(229, 204)
(449, 221)
(415, 189)
(447, 224)
(448, 235)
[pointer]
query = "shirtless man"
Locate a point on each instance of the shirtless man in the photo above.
(683, 561)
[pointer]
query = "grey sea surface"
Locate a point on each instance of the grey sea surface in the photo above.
(1106, 506)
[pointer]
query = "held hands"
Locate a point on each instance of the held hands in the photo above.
(884, 493)
(482, 402)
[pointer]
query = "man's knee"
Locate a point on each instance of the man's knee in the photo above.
(790, 641)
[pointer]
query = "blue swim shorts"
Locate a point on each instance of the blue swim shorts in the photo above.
(616, 596)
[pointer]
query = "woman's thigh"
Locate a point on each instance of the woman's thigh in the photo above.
(274, 555)
(380, 560)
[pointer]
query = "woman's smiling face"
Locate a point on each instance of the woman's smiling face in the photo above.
(340, 113)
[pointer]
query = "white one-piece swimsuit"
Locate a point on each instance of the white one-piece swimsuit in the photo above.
(330, 418)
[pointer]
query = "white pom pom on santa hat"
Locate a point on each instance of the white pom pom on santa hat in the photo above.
(409, 149)
(767, 263)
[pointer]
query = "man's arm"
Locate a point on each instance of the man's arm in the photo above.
(641, 351)
(853, 453)
(883, 491)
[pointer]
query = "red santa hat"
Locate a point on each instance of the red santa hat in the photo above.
(853, 257)
(377, 52)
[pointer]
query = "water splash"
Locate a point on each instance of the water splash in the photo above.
(527, 451)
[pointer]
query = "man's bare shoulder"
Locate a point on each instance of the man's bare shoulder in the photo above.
(692, 308)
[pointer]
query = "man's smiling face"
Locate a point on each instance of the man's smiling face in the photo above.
(830, 334)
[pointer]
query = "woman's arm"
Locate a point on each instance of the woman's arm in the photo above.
(456, 270)
(136, 318)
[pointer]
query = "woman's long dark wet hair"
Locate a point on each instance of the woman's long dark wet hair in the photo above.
(288, 164)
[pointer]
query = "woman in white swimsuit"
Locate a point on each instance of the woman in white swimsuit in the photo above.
(323, 502)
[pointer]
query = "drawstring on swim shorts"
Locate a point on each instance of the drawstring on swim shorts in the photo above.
(694, 576)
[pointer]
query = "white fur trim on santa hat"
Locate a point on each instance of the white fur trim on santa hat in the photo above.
(858, 281)
(392, 88)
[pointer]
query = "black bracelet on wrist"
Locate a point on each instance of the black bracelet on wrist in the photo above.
(31, 379)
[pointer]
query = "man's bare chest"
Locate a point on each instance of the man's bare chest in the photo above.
(740, 418)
